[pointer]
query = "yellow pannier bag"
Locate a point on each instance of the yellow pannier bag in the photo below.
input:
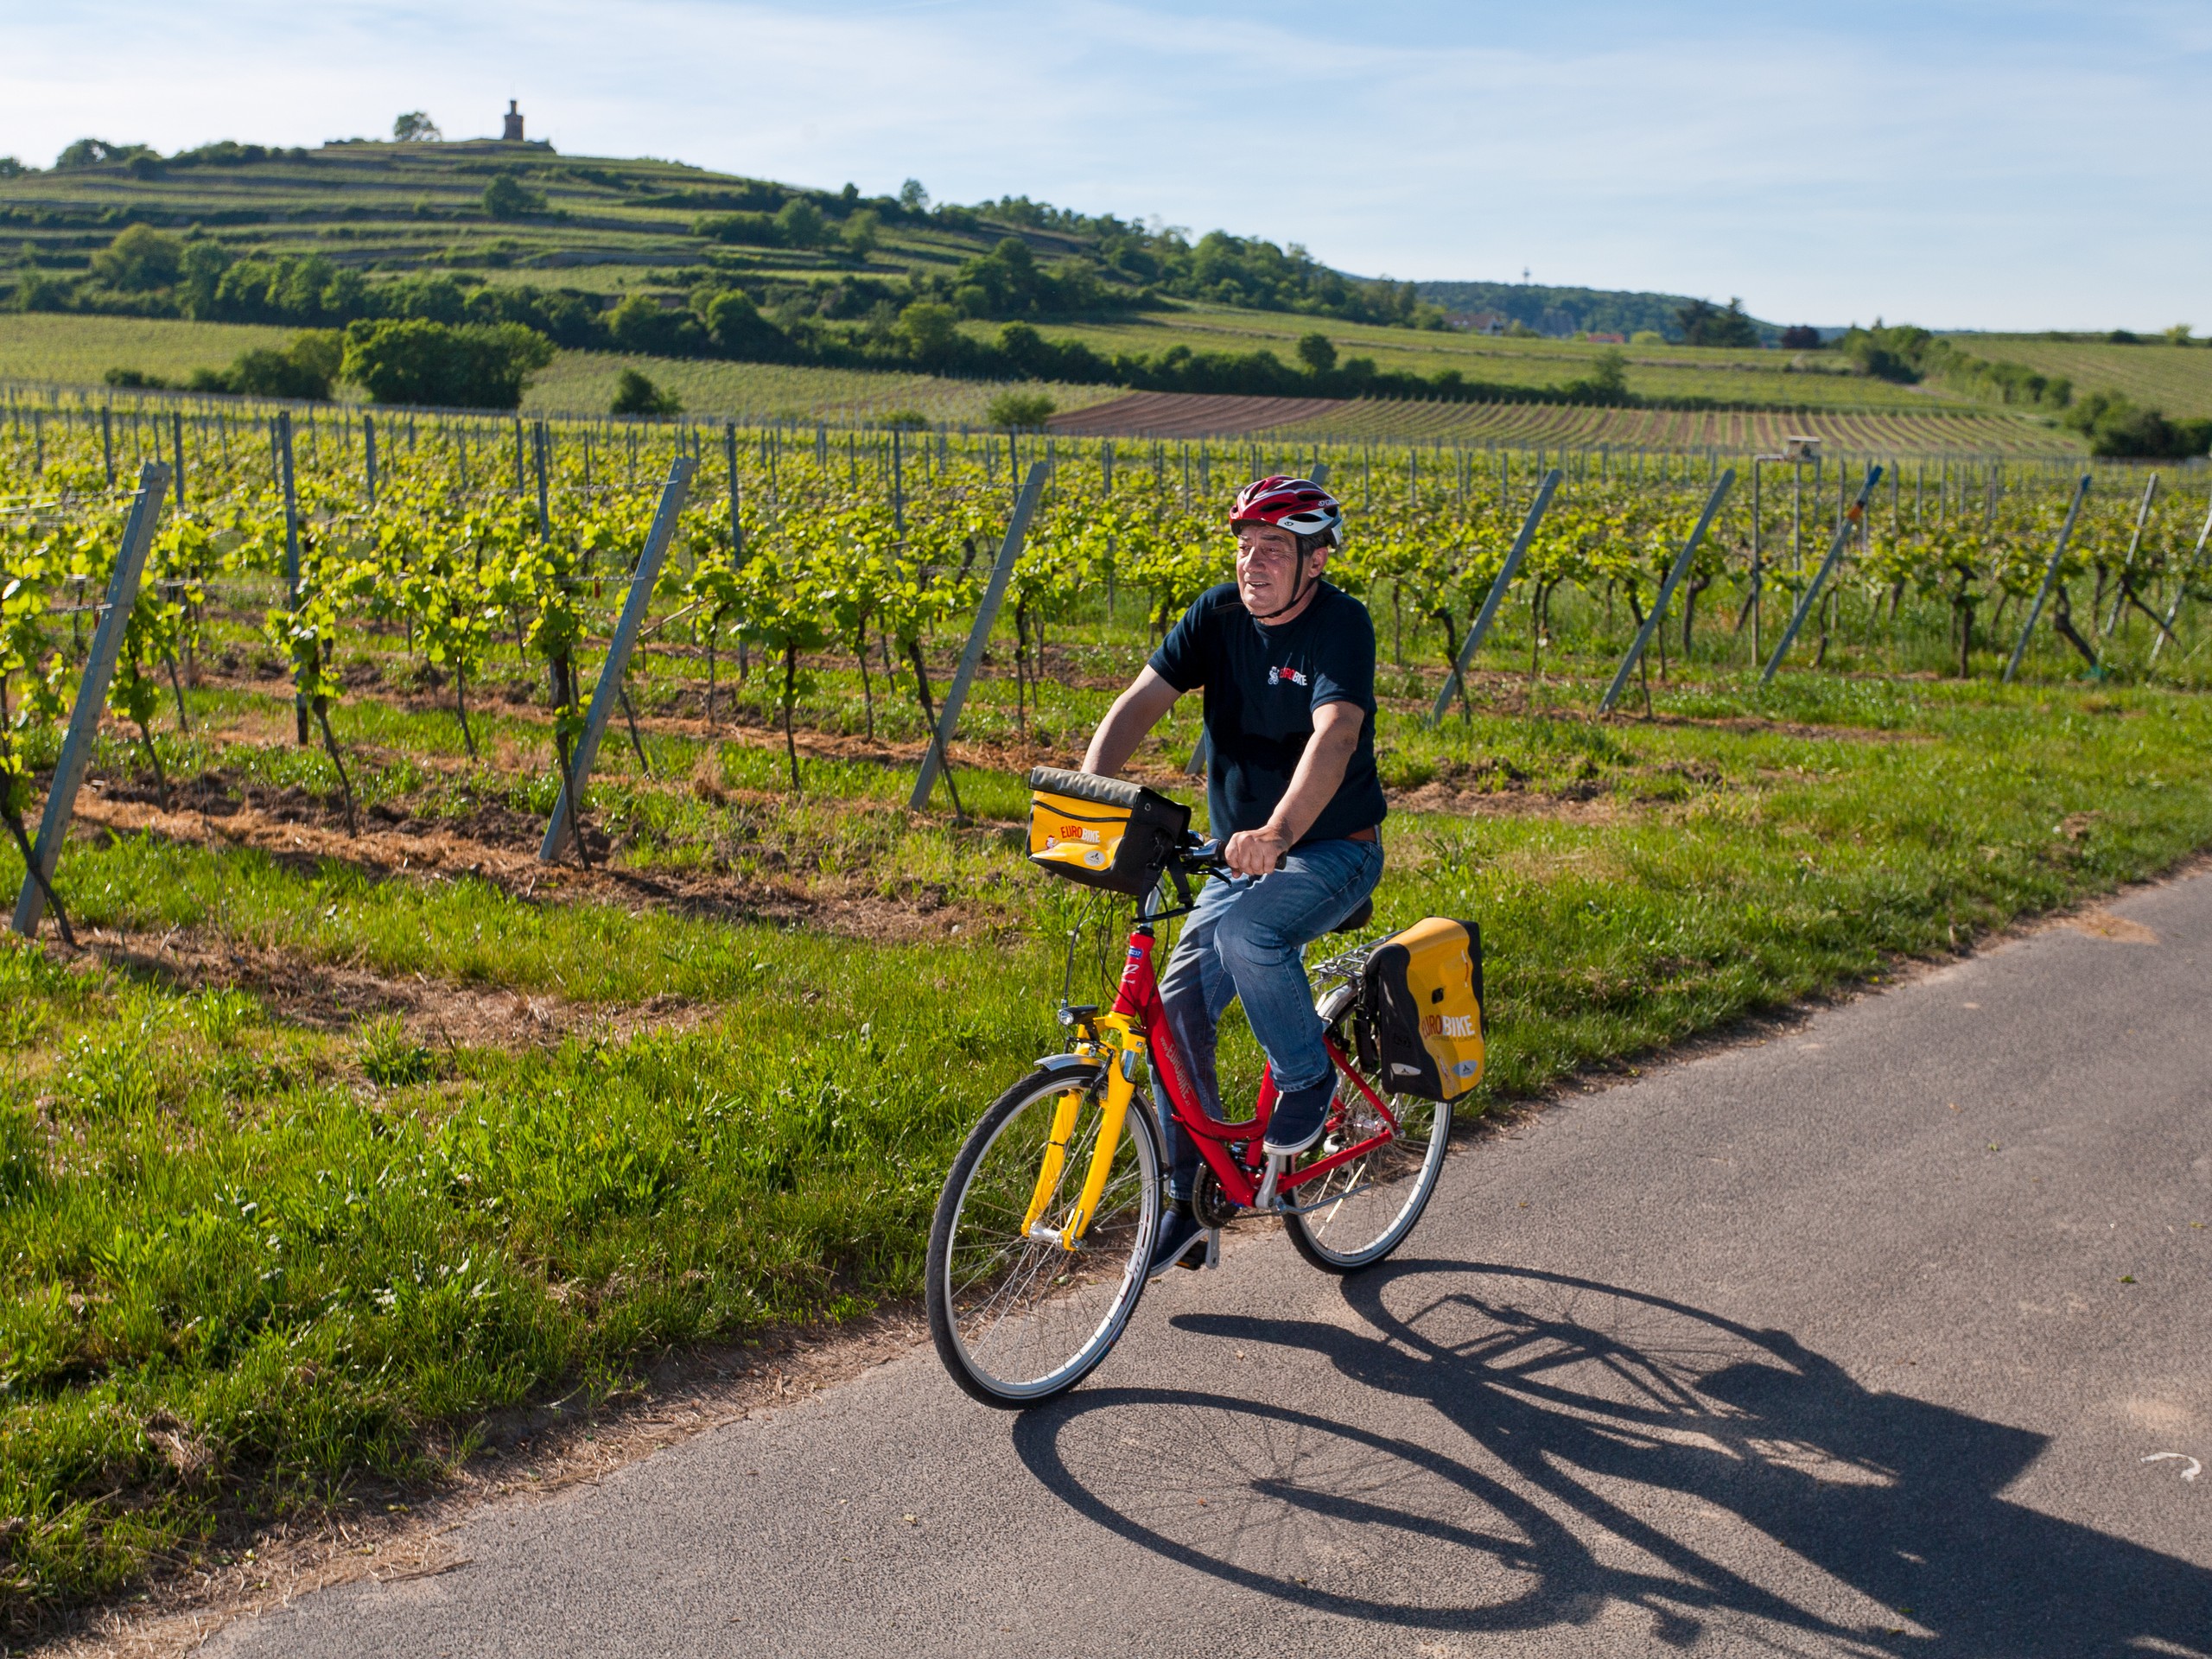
(1420, 1026)
(1103, 832)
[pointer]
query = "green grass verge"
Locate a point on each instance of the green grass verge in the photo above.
(249, 1261)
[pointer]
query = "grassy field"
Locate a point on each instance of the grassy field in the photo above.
(1738, 377)
(44, 349)
(2176, 380)
(328, 1146)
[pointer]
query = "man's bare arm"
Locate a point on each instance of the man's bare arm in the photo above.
(1135, 712)
(1320, 769)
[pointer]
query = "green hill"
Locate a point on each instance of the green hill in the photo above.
(621, 261)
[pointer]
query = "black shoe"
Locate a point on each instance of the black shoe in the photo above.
(1299, 1118)
(1181, 1241)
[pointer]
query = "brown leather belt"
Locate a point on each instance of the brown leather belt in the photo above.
(1366, 834)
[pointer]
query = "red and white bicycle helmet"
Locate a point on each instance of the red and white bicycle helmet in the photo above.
(1297, 505)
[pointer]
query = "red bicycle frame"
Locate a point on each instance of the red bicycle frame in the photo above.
(1218, 1142)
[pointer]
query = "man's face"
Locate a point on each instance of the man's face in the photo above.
(1267, 567)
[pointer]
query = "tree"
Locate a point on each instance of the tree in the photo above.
(415, 128)
(913, 198)
(932, 332)
(139, 259)
(1318, 353)
(641, 324)
(860, 232)
(739, 330)
(1608, 381)
(634, 394)
(1801, 337)
(508, 197)
(1704, 323)
(303, 369)
(475, 365)
(10, 168)
(800, 223)
(91, 152)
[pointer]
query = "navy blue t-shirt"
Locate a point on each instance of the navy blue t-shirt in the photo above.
(1263, 684)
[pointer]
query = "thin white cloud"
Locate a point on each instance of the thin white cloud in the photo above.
(2037, 178)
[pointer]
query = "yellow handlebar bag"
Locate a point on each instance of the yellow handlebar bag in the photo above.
(1420, 1026)
(1103, 832)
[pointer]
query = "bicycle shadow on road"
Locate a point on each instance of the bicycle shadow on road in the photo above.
(1593, 1448)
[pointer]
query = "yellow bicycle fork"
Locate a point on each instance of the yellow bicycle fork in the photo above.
(1126, 1046)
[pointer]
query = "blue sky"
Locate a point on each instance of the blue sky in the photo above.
(2022, 165)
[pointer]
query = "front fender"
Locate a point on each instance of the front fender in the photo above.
(1071, 1063)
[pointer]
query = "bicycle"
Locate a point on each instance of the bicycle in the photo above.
(1043, 1233)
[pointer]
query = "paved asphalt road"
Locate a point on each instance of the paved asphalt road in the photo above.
(1879, 1337)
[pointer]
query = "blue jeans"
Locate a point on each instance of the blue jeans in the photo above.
(1247, 938)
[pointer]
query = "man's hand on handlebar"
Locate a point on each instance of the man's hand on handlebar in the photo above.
(1255, 852)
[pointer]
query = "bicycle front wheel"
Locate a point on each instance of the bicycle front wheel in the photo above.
(1017, 1317)
(1361, 1210)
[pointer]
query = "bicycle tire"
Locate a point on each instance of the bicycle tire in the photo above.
(1341, 1238)
(1012, 1329)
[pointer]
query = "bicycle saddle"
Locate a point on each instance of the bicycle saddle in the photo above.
(1362, 914)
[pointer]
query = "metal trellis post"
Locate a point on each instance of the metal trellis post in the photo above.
(1845, 524)
(2049, 578)
(291, 557)
(1497, 597)
(993, 595)
(612, 670)
(2181, 592)
(91, 691)
(1667, 592)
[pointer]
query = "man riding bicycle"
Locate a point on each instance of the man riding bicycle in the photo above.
(1286, 662)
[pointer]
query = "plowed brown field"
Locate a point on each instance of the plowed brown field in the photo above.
(1186, 415)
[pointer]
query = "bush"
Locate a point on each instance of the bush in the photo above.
(508, 197)
(1020, 409)
(750, 230)
(138, 259)
(1801, 337)
(2119, 429)
(1647, 337)
(1318, 353)
(932, 334)
(642, 325)
(739, 330)
(304, 370)
(800, 223)
(474, 365)
(1607, 382)
(134, 378)
(905, 420)
(636, 395)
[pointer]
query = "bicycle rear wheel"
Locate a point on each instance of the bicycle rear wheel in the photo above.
(1018, 1319)
(1361, 1210)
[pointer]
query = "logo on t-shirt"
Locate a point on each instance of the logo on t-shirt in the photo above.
(1277, 675)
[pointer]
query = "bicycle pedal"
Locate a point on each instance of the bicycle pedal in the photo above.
(1266, 1198)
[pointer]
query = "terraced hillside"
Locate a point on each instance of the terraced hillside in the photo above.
(378, 207)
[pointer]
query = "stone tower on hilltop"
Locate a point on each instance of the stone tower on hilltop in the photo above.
(512, 133)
